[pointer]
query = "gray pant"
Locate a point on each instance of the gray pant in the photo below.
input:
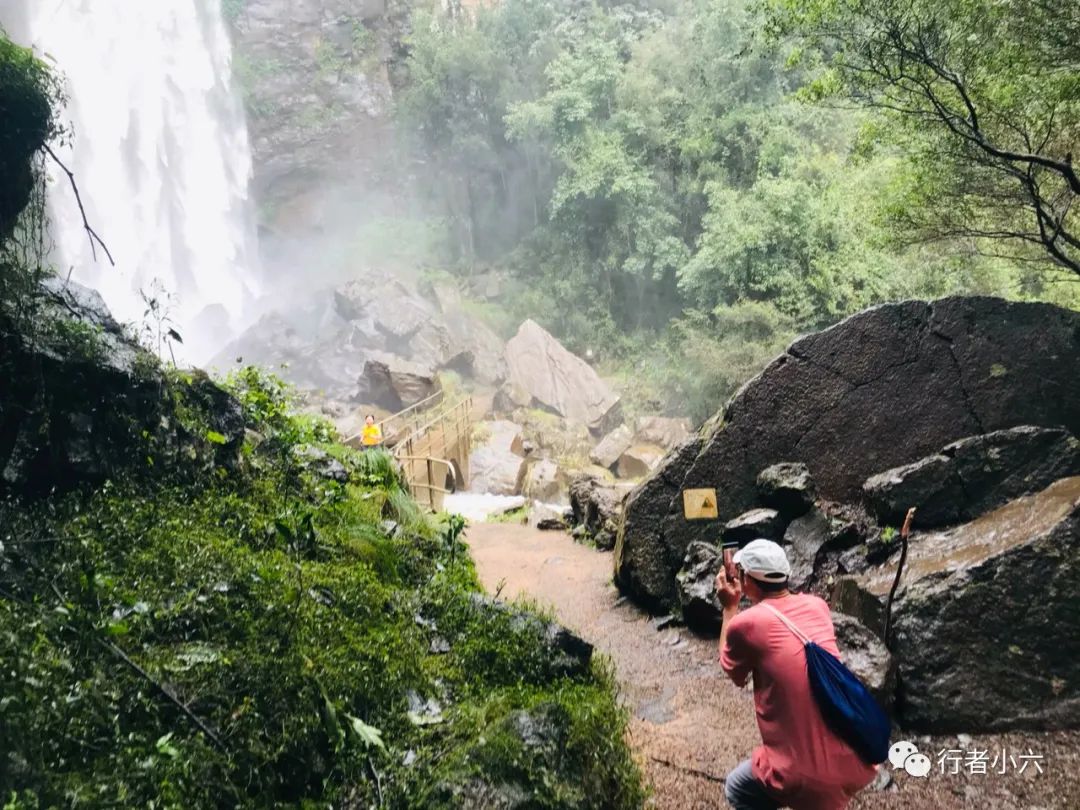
(744, 792)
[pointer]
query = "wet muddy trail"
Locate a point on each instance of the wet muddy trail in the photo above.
(690, 726)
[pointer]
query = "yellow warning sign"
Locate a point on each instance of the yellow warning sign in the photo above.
(700, 504)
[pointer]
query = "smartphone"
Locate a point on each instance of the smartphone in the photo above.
(729, 548)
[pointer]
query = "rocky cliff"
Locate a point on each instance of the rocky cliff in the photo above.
(881, 389)
(318, 77)
(83, 403)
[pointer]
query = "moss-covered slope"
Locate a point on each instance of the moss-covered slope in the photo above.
(291, 633)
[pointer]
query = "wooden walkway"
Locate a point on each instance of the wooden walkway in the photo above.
(432, 441)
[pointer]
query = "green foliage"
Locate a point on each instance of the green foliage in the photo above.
(641, 171)
(268, 403)
(232, 9)
(378, 469)
(256, 641)
(705, 357)
(30, 96)
(982, 97)
(519, 515)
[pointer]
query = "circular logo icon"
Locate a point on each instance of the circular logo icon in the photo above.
(900, 751)
(917, 765)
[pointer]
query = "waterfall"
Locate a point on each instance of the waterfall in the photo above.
(160, 153)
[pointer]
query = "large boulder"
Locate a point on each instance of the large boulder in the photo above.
(805, 537)
(883, 388)
(499, 434)
(543, 481)
(867, 656)
(394, 384)
(611, 447)
(752, 525)
(321, 340)
(82, 403)
(483, 348)
(395, 308)
(787, 488)
(510, 397)
(639, 460)
(701, 610)
(560, 381)
(974, 475)
(644, 567)
(984, 622)
(661, 430)
(495, 466)
(595, 506)
(548, 517)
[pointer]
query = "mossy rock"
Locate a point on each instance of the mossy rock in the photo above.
(28, 92)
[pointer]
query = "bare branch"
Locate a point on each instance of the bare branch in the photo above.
(90, 232)
(205, 729)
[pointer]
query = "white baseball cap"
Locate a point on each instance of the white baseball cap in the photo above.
(764, 560)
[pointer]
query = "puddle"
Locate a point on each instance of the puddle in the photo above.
(657, 710)
(1016, 523)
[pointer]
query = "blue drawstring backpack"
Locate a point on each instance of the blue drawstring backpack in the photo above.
(846, 704)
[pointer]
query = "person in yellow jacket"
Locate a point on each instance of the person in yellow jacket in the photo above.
(371, 436)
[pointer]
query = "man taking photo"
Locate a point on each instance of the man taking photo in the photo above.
(801, 763)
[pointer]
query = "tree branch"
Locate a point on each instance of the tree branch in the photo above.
(205, 729)
(90, 232)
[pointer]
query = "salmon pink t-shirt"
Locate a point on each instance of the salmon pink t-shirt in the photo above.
(801, 762)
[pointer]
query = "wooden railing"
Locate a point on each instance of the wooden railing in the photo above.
(432, 443)
(434, 454)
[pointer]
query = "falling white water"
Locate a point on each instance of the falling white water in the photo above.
(161, 156)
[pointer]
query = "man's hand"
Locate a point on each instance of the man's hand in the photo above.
(728, 589)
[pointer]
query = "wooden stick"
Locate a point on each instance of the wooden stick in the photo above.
(693, 771)
(904, 532)
(205, 729)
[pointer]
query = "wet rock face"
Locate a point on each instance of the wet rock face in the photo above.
(867, 656)
(84, 402)
(984, 624)
(787, 488)
(611, 447)
(646, 556)
(595, 506)
(701, 610)
(315, 77)
(757, 523)
(974, 475)
(395, 384)
(881, 389)
(805, 538)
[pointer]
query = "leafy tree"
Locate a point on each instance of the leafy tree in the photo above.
(983, 94)
(650, 173)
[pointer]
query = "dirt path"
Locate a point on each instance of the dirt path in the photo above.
(690, 726)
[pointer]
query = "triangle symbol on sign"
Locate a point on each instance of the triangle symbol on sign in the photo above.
(706, 503)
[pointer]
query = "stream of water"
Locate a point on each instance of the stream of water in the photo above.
(161, 155)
